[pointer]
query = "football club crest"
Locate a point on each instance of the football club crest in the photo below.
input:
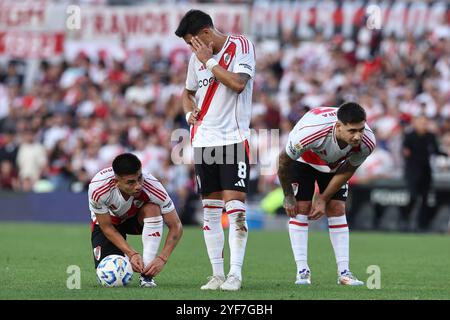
(97, 252)
(138, 203)
(226, 58)
(295, 188)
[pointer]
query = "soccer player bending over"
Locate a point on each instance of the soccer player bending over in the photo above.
(122, 201)
(326, 146)
(217, 100)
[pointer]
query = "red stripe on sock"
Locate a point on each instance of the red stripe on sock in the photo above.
(338, 226)
(212, 207)
(301, 224)
(235, 210)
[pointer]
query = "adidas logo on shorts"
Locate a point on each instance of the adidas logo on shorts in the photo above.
(240, 183)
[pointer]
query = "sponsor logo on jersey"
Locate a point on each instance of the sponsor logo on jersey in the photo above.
(205, 82)
(294, 149)
(106, 171)
(168, 204)
(295, 188)
(246, 66)
(95, 205)
(291, 148)
(202, 67)
(97, 252)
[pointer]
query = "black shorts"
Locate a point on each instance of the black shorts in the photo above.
(102, 247)
(222, 168)
(303, 182)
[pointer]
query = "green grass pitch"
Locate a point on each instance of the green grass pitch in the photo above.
(34, 260)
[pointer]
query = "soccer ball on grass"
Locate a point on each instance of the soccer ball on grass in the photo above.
(114, 271)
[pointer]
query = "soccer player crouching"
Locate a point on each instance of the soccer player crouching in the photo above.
(326, 146)
(122, 201)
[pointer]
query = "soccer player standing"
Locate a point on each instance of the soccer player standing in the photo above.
(122, 201)
(326, 146)
(217, 100)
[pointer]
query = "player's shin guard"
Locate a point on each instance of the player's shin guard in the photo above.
(213, 234)
(298, 233)
(151, 238)
(339, 236)
(237, 235)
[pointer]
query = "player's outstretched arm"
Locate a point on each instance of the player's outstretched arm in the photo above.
(284, 165)
(175, 232)
(104, 221)
(344, 173)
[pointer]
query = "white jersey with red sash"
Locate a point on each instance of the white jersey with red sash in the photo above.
(224, 114)
(106, 198)
(313, 141)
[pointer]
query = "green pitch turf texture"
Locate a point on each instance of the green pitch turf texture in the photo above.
(34, 259)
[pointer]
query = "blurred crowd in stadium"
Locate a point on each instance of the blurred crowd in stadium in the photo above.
(79, 114)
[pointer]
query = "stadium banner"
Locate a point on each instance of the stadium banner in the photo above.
(31, 45)
(32, 15)
(152, 22)
(309, 18)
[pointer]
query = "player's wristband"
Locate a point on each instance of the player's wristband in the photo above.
(129, 258)
(165, 260)
(188, 115)
(211, 63)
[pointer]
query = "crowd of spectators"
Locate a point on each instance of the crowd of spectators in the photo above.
(78, 115)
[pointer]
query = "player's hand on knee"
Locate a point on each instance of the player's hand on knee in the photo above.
(154, 267)
(290, 205)
(318, 208)
(137, 263)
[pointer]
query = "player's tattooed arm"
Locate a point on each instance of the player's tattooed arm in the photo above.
(284, 165)
(234, 81)
(244, 77)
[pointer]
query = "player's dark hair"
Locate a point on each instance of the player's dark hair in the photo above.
(351, 112)
(126, 163)
(192, 22)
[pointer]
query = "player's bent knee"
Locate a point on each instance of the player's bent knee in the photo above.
(304, 207)
(150, 210)
(230, 195)
(335, 208)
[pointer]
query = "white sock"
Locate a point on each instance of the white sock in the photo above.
(213, 234)
(237, 236)
(151, 238)
(339, 236)
(298, 232)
